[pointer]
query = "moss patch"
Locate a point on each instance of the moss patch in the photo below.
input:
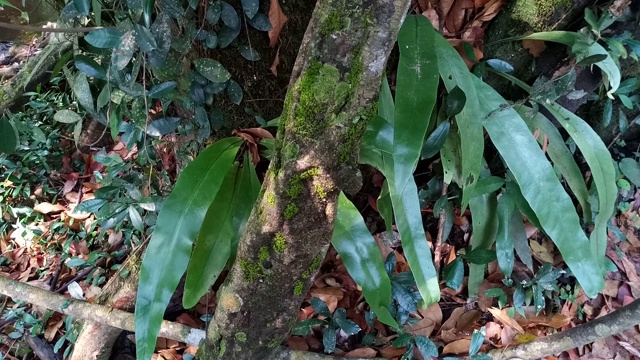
(354, 133)
(241, 337)
(271, 198)
(264, 253)
(290, 211)
(298, 287)
(251, 271)
(320, 191)
(279, 243)
(317, 261)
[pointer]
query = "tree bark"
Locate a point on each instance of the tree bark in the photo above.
(332, 93)
(96, 339)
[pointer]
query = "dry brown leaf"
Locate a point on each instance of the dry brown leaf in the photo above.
(388, 352)
(365, 353)
(190, 320)
(501, 315)
(276, 62)
(433, 313)
(445, 6)
(423, 327)
(611, 288)
(493, 331)
(535, 47)
(541, 252)
(433, 17)
(617, 8)
(456, 18)
(484, 301)
(490, 11)
(46, 208)
(453, 319)
(277, 18)
(630, 270)
(457, 347)
(467, 320)
(297, 343)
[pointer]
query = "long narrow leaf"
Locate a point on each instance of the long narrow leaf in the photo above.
(221, 229)
(540, 186)
(600, 162)
(485, 225)
(454, 73)
(560, 156)
(413, 108)
(362, 258)
(504, 241)
(177, 226)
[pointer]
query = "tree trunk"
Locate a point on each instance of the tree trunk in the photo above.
(331, 97)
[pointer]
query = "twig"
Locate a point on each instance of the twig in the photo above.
(88, 311)
(631, 123)
(437, 248)
(622, 319)
(48, 30)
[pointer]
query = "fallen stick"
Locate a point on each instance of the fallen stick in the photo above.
(88, 311)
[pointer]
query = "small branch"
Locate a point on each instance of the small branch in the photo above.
(613, 323)
(97, 313)
(46, 29)
(437, 248)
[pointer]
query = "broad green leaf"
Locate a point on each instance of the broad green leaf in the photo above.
(480, 256)
(83, 6)
(90, 67)
(163, 126)
(329, 339)
(161, 90)
(82, 92)
(260, 22)
(455, 102)
(147, 11)
(221, 229)
(8, 136)
(504, 241)
(234, 91)
(454, 273)
(67, 117)
(520, 241)
(413, 108)
(426, 347)
(451, 158)
(122, 54)
(377, 144)
(540, 186)
(226, 35)
(213, 12)
(362, 258)
(249, 53)
(212, 70)
(476, 341)
(229, 16)
(320, 307)
(560, 156)
(599, 159)
(144, 38)
(303, 327)
(454, 72)
(485, 226)
(89, 206)
(484, 186)
(136, 219)
(177, 226)
(436, 140)
(631, 170)
(607, 65)
(106, 38)
(250, 7)
(386, 106)
(521, 203)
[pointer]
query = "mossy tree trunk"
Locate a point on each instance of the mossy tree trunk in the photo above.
(332, 95)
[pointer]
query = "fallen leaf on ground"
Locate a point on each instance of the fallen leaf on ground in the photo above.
(361, 353)
(46, 208)
(277, 18)
(457, 347)
(276, 62)
(535, 47)
(501, 315)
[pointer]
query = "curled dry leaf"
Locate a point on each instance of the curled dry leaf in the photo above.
(365, 353)
(501, 315)
(457, 347)
(297, 343)
(276, 62)
(277, 18)
(47, 208)
(535, 47)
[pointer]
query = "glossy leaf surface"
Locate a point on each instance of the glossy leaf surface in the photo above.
(362, 258)
(176, 228)
(221, 229)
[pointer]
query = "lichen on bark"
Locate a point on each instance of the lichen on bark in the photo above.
(333, 87)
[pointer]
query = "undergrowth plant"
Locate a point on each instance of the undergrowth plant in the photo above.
(393, 143)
